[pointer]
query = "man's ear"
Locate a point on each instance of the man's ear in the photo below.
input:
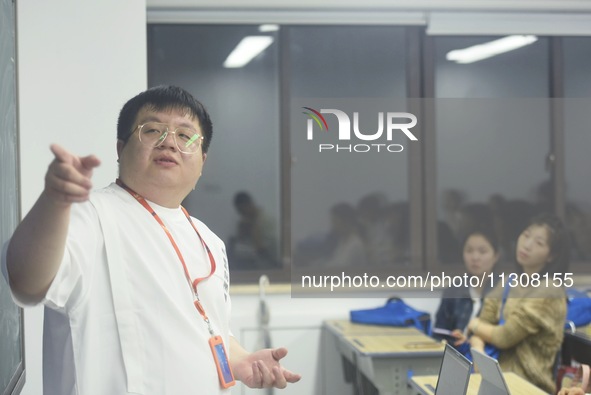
(202, 163)
(120, 145)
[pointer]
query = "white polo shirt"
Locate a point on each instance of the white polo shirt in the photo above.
(168, 339)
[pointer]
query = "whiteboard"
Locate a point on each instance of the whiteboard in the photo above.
(11, 317)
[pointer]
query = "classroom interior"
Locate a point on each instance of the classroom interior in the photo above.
(508, 134)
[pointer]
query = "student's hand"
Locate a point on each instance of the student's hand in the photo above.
(68, 177)
(261, 369)
(477, 343)
(459, 336)
(571, 391)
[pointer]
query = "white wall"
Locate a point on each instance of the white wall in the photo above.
(78, 62)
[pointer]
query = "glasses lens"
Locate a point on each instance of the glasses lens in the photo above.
(187, 140)
(152, 133)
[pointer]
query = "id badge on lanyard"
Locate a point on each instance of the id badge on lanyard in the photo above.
(218, 350)
(216, 343)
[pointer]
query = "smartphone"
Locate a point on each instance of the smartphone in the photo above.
(221, 361)
(445, 334)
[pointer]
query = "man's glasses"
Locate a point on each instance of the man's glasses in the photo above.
(153, 134)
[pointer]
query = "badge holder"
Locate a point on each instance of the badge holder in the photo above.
(221, 361)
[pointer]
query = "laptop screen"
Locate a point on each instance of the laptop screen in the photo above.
(493, 382)
(454, 373)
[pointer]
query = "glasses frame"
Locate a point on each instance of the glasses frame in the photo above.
(166, 133)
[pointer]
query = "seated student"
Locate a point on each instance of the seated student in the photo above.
(254, 245)
(533, 313)
(460, 304)
(579, 384)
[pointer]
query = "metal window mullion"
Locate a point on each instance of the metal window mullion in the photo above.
(429, 175)
(285, 146)
(415, 161)
(557, 135)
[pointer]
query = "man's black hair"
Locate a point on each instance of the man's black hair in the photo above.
(162, 98)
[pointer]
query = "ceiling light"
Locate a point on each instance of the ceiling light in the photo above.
(268, 28)
(246, 50)
(489, 49)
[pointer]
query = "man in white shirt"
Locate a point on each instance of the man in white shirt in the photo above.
(136, 290)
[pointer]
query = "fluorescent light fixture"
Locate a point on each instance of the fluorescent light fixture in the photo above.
(268, 28)
(489, 49)
(246, 50)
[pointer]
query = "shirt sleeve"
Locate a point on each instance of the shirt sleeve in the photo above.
(531, 316)
(444, 314)
(74, 275)
(490, 307)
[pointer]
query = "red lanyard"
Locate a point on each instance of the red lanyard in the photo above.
(192, 283)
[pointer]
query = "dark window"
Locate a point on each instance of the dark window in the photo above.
(500, 140)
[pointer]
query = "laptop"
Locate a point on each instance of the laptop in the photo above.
(493, 381)
(454, 373)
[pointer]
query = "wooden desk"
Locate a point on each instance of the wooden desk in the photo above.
(333, 332)
(346, 327)
(399, 345)
(517, 385)
(387, 360)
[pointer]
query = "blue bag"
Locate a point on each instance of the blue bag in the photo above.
(394, 313)
(578, 311)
